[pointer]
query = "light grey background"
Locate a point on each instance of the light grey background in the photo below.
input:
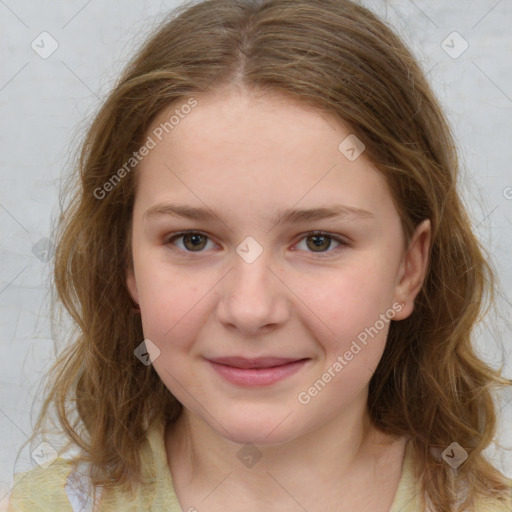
(47, 102)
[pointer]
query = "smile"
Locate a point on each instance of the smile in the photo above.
(260, 372)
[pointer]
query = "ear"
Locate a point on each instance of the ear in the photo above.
(413, 268)
(131, 283)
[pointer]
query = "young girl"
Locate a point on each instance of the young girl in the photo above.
(274, 280)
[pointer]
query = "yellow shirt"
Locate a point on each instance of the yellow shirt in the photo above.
(57, 488)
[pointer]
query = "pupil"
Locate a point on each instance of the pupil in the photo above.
(196, 241)
(320, 240)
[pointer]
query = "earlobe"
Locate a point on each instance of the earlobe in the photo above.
(413, 269)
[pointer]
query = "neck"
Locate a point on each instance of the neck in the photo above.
(346, 448)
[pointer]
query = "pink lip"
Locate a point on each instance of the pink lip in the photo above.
(256, 372)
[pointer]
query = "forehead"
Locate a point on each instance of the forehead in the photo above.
(240, 147)
(248, 120)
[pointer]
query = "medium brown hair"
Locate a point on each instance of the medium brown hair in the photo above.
(339, 57)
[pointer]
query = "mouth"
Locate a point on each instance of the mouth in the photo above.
(262, 371)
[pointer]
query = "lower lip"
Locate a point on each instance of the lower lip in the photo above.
(257, 376)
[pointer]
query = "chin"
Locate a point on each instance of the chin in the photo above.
(258, 430)
(259, 438)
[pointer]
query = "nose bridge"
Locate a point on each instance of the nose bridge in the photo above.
(252, 296)
(252, 263)
(254, 276)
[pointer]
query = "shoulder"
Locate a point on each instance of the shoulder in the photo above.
(42, 489)
(407, 498)
(66, 487)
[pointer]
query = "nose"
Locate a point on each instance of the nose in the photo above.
(254, 298)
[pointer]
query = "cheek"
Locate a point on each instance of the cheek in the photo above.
(347, 301)
(173, 314)
(171, 302)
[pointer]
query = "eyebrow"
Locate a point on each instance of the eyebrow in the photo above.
(287, 216)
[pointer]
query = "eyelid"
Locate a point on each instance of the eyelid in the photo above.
(343, 241)
(178, 234)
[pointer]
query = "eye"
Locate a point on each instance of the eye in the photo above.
(319, 242)
(192, 241)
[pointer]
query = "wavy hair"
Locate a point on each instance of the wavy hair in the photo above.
(340, 58)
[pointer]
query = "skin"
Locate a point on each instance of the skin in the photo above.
(247, 156)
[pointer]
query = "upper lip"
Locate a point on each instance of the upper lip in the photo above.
(259, 362)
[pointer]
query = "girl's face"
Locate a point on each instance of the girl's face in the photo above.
(251, 178)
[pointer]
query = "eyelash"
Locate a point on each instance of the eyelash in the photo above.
(343, 243)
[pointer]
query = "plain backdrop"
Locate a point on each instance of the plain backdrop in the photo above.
(47, 101)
